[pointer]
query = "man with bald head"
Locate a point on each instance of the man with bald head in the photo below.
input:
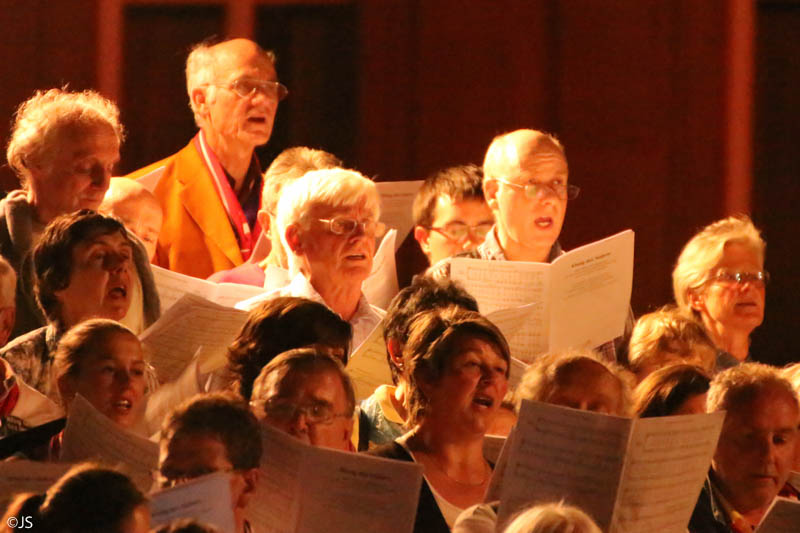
(210, 190)
(525, 185)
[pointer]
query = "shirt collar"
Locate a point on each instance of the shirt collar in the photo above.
(300, 286)
(490, 248)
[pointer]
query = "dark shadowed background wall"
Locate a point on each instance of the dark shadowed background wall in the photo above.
(673, 113)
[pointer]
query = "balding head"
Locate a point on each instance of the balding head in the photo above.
(137, 208)
(525, 185)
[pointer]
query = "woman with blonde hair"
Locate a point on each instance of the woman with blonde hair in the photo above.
(720, 280)
(552, 518)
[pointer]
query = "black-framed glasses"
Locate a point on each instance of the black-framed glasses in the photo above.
(758, 279)
(286, 411)
(556, 188)
(348, 226)
(459, 232)
(167, 478)
(246, 87)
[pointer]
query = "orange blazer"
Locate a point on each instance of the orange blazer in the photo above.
(196, 236)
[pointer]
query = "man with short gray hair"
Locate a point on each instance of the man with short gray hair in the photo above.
(210, 190)
(755, 452)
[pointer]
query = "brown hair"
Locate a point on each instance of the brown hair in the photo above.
(458, 183)
(664, 391)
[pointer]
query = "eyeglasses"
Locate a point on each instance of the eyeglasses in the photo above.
(459, 232)
(348, 226)
(556, 188)
(757, 279)
(246, 87)
(284, 411)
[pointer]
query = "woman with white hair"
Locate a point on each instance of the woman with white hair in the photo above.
(720, 280)
(63, 147)
(328, 221)
(552, 518)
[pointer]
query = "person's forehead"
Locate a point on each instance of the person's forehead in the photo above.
(544, 164)
(477, 345)
(317, 384)
(233, 65)
(329, 211)
(770, 409)
(447, 209)
(113, 239)
(193, 451)
(83, 140)
(739, 255)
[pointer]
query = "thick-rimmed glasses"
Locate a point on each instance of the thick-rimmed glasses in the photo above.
(458, 232)
(556, 188)
(246, 87)
(348, 226)
(757, 279)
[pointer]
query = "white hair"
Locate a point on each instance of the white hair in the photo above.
(8, 284)
(335, 188)
(552, 518)
(739, 384)
(704, 251)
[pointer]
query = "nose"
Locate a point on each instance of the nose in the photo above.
(298, 426)
(117, 262)
(101, 177)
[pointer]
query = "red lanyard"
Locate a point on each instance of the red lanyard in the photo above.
(228, 197)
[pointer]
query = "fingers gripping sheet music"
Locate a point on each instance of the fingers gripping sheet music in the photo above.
(191, 323)
(580, 300)
(630, 475)
(206, 499)
(91, 435)
(338, 492)
(171, 286)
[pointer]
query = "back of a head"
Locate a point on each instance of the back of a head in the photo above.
(463, 182)
(552, 518)
(279, 325)
(290, 165)
(669, 334)
(222, 416)
(88, 499)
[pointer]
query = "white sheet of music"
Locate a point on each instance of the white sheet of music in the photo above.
(381, 285)
(666, 465)
(20, 476)
(629, 475)
(207, 499)
(338, 492)
(276, 277)
(91, 435)
(397, 197)
(186, 326)
(367, 365)
(492, 446)
(580, 300)
(172, 285)
(783, 516)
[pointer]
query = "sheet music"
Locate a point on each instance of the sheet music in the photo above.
(172, 285)
(186, 326)
(583, 297)
(276, 277)
(397, 198)
(338, 492)
(381, 285)
(275, 505)
(783, 516)
(560, 453)
(498, 474)
(91, 435)
(591, 293)
(524, 340)
(206, 499)
(346, 492)
(368, 367)
(492, 446)
(515, 372)
(666, 464)
(20, 476)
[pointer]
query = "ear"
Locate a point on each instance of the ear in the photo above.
(490, 188)
(294, 238)
(199, 100)
(395, 351)
(263, 220)
(696, 300)
(421, 235)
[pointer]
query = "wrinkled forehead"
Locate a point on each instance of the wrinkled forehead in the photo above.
(356, 209)
(765, 408)
(230, 65)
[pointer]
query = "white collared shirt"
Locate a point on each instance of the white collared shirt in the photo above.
(364, 320)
